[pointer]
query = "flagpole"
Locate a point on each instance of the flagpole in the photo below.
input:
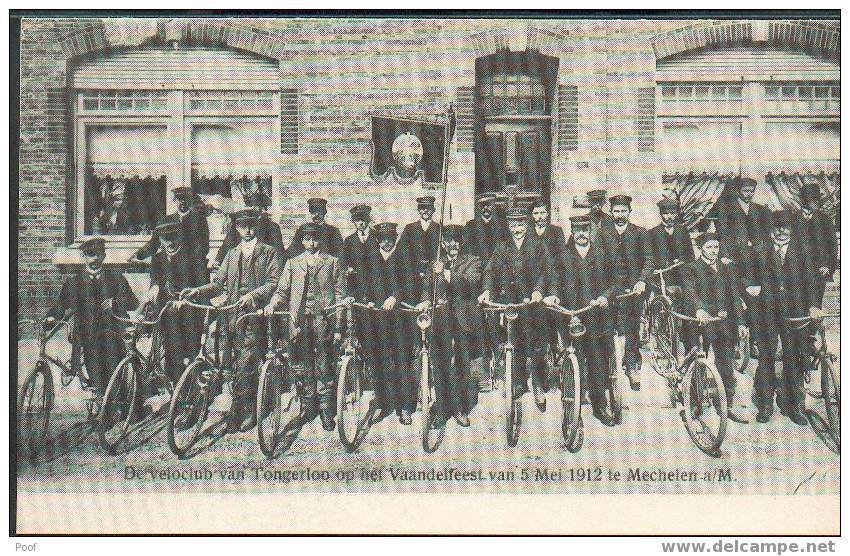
(446, 144)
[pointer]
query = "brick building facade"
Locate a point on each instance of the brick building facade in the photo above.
(139, 106)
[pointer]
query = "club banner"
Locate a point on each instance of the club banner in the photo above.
(410, 148)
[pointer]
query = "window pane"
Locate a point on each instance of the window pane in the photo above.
(789, 93)
(718, 93)
(686, 93)
(836, 92)
(90, 103)
(822, 92)
(702, 92)
(736, 93)
(805, 93)
(668, 93)
(772, 93)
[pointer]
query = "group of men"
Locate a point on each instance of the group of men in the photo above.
(753, 267)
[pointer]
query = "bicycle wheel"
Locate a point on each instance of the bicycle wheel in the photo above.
(663, 338)
(742, 352)
(189, 407)
(278, 404)
(119, 404)
(705, 412)
(645, 323)
(570, 398)
(352, 411)
(613, 393)
(831, 392)
(35, 402)
(432, 434)
(513, 407)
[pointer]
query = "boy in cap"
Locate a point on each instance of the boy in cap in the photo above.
(388, 337)
(712, 288)
(631, 248)
(420, 240)
(311, 282)
(331, 238)
(86, 295)
(817, 232)
(268, 231)
(671, 241)
(192, 217)
(587, 276)
(173, 269)
(483, 232)
(520, 269)
(785, 282)
(248, 275)
(359, 250)
(458, 324)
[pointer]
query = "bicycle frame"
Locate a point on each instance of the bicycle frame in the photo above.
(42, 337)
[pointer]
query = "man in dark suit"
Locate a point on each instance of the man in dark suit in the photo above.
(817, 233)
(587, 277)
(785, 283)
(553, 237)
(359, 251)
(457, 326)
(670, 241)
(631, 248)
(420, 241)
(174, 269)
(268, 231)
(248, 275)
(744, 226)
(712, 288)
(598, 217)
(86, 295)
(389, 336)
(519, 270)
(331, 238)
(192, 216)
(482, 233)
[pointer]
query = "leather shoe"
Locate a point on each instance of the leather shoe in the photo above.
(519, 391)
(634, 380)
(798, 418)
(461, 419)
(307, 414)
(764, 414)
(405, 418)
(539, 397)
(604, 418)
(735, 417)
(328, 421)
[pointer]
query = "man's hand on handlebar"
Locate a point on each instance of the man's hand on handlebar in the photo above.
(484, 297)
(423, 306)
(753, 291)
(389, 303)
(600, 301)
(551, 300)
(246, 301)
(816, 313)
(536, 297)
(272, 306)
(702, 316)
(639, 287)
(188, 293)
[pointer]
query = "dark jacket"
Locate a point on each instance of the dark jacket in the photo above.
(581, 280)
(714, 291)
(480, 238)
(632, 252)
(667, 248)
(259, 274)
(420, 246)
(460, 293)
(384, 279)
(817, 235)
(196, 235)
(789, 290)
(331, 241)
(357, 258)
(512, 274)
(173, 276)
(84, 297)
(554, 238)
(741, 232)
(268, 232)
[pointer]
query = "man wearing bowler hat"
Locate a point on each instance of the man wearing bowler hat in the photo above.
(87, 295)
(268, 231)
(420, 240)
(817, 232)
(330, 239)
(785, 283)
(192, 217)
(309, 284)
(631, 248)
(482, 233)
(359, 251)
(248, 275)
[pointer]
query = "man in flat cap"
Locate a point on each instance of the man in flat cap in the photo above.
(311, 282)
(482, 233)
(671, 242)
(743, 225)
(387, 336)
(520, 269)
(192, 216)
(817, 232)
(631, 248)
(268, 231)
(359, 251)
(86, 295)
(555, 240)
(458, 323)
(587, 276)
(785, 283)
(712, 288)
(420, 240)
(331, 238)
(248, 275)
(598, 217)
(173, 269)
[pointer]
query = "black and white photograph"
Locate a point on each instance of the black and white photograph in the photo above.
(263, 260)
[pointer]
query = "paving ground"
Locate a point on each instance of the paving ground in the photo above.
(649, 453)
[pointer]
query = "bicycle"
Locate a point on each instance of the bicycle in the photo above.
(699, 387)
(663, 331)
(279, 393)
(197, 387)
(134, 373)
(572, 425)
(825, 361)
(614, 397)
(512, 405)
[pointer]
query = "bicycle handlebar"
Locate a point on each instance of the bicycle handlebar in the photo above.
(809, 318)
(694, 319)
(494, 306)
(39, 322)
(629, 293)
(260, 313)
(669, 268)
(141, 321)
(209, 307)
(568, 312)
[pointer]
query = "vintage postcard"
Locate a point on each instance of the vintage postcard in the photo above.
(360, 274)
